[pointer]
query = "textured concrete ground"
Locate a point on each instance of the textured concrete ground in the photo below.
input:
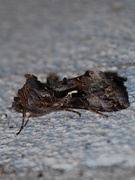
(66, 37)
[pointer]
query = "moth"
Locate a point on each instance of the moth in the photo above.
(95, 91)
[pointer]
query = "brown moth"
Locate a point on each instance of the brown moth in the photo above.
(95, 91)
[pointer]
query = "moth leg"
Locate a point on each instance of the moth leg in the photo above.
(95, 111)
(27, 120)
(70, 110)
(23, 119)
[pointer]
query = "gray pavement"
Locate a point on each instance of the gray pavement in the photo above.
(66, 37)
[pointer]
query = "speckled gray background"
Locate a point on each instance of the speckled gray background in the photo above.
(66, 37)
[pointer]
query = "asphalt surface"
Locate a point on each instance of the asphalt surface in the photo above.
(66, 38)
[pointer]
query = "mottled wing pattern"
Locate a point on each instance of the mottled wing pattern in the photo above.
(95, 91)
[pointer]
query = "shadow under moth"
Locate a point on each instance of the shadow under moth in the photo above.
(95, 91)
